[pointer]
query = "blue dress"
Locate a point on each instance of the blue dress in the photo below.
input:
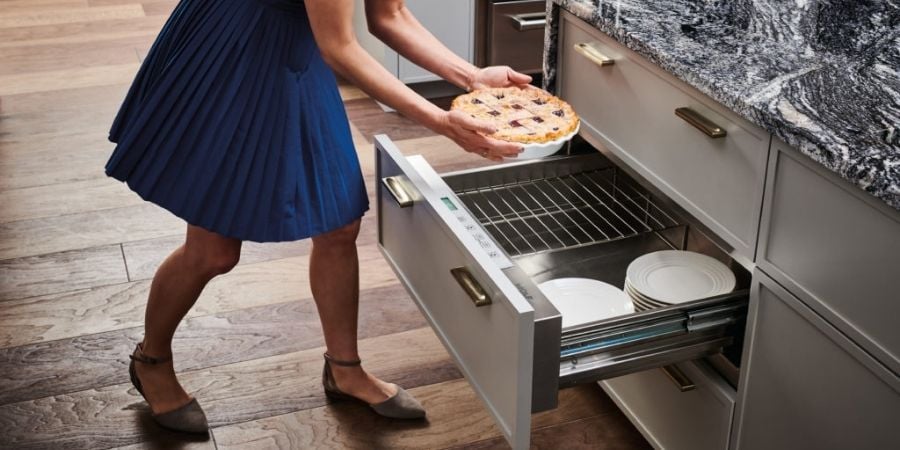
(235, 124)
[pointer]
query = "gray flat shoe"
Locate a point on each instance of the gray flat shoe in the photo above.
(189, 418)
(401, 405)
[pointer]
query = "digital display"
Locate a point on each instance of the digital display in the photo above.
(449, 203)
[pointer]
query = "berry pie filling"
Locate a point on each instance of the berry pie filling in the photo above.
(525, 116)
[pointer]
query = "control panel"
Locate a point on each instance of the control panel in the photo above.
(476, 231)
(449, 201)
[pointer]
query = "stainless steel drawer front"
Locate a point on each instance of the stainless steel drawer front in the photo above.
(516, 35)
(424, 242)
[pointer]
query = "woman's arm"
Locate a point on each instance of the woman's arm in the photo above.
(392, 23)
(331, 22)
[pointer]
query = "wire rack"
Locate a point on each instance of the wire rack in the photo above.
(560, 212)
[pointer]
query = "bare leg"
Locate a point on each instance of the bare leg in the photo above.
(175, 287)
(334, 279)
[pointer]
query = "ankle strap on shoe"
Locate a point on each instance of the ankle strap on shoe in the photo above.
(338, 362)
(139, 356)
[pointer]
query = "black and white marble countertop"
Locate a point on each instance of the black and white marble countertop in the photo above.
(822, 75)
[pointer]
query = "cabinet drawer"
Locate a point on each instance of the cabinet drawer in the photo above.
(515, 34)
(471, 247)
(836, 249)
(695, 419)
(806, 386)
(629, 107)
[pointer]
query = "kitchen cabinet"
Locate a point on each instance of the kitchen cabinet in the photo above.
(836, 248)
(674, 170)
(451, 22)
(820, 363)
(806, 385)
(694, 150)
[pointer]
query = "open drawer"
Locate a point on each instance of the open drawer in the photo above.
(471, 248)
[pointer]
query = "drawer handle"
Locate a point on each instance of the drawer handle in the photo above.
(526, 22)
(588, 51)
(469, 284)
(708, 127)
(682, 382)
(398, 191)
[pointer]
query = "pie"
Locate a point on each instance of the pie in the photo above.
(520, 115)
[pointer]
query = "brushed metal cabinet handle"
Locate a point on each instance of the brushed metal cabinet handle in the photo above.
(526, 22)
(471, 286)
(398, 191)
(595, 56)
(682, 382)
(700, 122)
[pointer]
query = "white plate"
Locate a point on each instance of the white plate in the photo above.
(544, 149)
(638, 306)
(635, 295)
(583, 300)
(641, 304)
(639, 299)
(675, 276)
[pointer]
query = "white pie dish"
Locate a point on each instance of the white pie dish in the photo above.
(544, 149)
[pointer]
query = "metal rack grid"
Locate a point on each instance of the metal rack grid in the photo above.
(559, 212)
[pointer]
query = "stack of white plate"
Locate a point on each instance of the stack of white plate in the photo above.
(672, 277)
(584, 300)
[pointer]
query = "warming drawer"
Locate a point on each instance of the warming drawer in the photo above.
(471, 248)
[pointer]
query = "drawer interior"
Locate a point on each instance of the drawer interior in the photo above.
(581, 216)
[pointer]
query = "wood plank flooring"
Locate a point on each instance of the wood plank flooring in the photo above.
(78, 251)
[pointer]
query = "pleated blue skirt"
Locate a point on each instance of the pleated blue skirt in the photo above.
(235, 124)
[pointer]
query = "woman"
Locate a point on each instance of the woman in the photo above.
(235, 124)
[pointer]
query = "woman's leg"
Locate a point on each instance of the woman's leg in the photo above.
(175, 287)
(334, 279)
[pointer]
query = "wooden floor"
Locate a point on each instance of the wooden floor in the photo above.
(78, 250)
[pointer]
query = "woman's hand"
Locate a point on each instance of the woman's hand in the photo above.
(496, 77)
(470, 134)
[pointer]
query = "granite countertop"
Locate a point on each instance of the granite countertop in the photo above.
(822, 75)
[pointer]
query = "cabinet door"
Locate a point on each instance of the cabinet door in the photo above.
(450, 21)
(805, 385)
(837, 248)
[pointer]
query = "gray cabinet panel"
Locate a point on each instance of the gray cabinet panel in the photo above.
(449, 21)
(629, 107)
(807, 386)
(836, 249)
